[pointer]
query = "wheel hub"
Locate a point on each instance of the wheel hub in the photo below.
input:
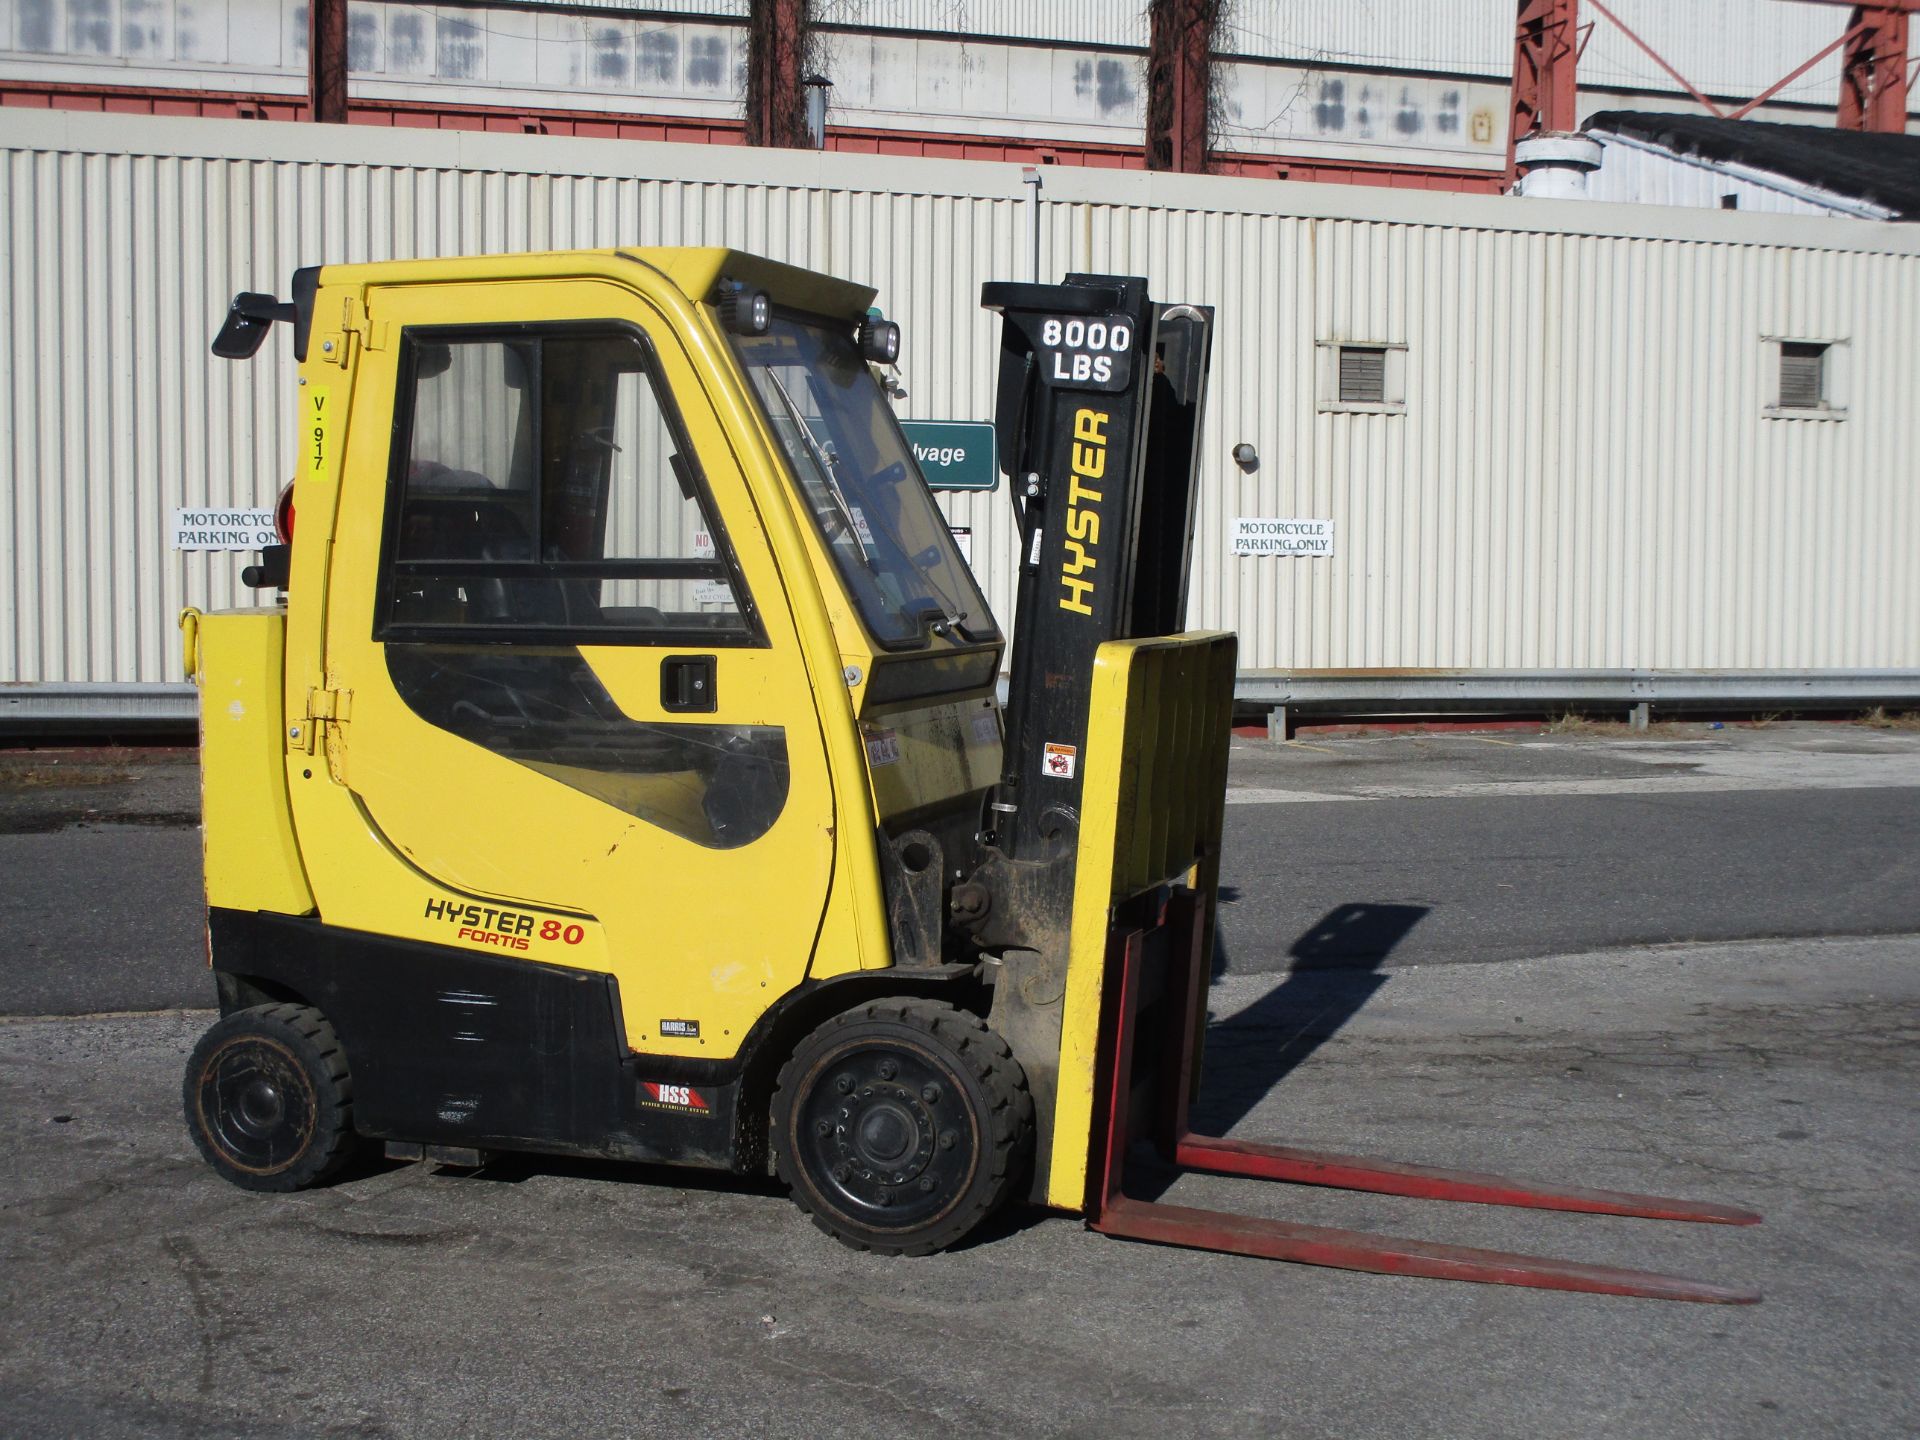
(883, 1134)
(881, 1131)
(257, 1105)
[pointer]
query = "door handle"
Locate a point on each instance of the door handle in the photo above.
(687, 684)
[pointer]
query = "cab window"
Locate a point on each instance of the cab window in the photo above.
(542, 489)
(888, 539)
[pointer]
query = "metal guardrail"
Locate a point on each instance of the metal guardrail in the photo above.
(1286, 694)
(1416, 691)
(47, 708)
(29, 708)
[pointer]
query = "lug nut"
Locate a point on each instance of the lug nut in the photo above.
(926, 1184)
(930, 1093)
(888, 1069)
(844, 1084)
(949, 1140)
(824, 1127)
(886, 1195)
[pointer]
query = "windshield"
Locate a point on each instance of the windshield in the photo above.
(867, 497)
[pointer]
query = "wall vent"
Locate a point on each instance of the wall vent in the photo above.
(1363, 375)
(1803, 375)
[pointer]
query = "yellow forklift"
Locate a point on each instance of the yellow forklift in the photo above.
(617, 770)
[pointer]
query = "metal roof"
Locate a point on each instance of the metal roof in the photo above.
(1881, 168)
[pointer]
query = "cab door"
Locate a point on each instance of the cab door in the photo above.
(573, 706)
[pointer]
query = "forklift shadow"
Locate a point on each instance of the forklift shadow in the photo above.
(1335, 970)
(516, 1167)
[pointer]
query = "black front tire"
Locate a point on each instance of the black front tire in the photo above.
(269, 1100)
(901, 1125)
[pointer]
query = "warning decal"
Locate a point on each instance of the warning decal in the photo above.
(658, 1095)
(1059, 761)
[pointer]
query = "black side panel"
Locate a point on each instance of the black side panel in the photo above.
(455, 1048)
(306, 285)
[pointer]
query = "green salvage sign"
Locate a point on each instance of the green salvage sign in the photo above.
(953, 454)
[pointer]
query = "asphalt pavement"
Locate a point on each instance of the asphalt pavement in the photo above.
(1688, 963)
(146, 1297)
(1344, 852)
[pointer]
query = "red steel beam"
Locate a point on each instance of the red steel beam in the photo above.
(1546, 49)
(776, 56)
(1791, 76)
(1179, 83)
(1873, 76)
(1546, 55)
(1655, 56)
(327, 61)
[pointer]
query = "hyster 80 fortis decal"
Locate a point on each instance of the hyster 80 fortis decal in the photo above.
(500, 928)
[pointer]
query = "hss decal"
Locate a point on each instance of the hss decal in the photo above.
(658, 1095)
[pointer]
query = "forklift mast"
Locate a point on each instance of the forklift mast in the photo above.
(1101, 860)
(1098, 421)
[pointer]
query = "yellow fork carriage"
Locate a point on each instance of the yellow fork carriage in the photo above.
(618, 769)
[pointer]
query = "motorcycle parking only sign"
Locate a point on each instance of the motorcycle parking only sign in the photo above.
(222, 529)
(1283, 537)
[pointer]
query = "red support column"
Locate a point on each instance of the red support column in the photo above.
(1873, 76)
(1545, 54)
(327, 61)
(776, 63)
(1180, 83)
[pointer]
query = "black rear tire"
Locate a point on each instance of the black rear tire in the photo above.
(901, 1125)
(269, 1100)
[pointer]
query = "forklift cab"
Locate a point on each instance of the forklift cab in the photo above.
(619, 637)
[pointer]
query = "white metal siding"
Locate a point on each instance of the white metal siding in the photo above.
(1120, 23)
(1464, 37)
(1633, 172)
(1725, 47)
(688, 60)
(1583, 476)
(1732, 47)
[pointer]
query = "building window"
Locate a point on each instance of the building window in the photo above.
(1807, 374)
(1363, 378)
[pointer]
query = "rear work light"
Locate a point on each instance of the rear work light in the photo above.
(275, 560)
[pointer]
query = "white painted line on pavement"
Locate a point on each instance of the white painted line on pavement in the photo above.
(1788, 770)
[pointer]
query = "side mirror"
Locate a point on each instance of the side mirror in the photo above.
(249, 318)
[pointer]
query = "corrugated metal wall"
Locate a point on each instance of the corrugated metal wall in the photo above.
(1583, 475)
(686, 55)
(1730, 47)
(1076, 22)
